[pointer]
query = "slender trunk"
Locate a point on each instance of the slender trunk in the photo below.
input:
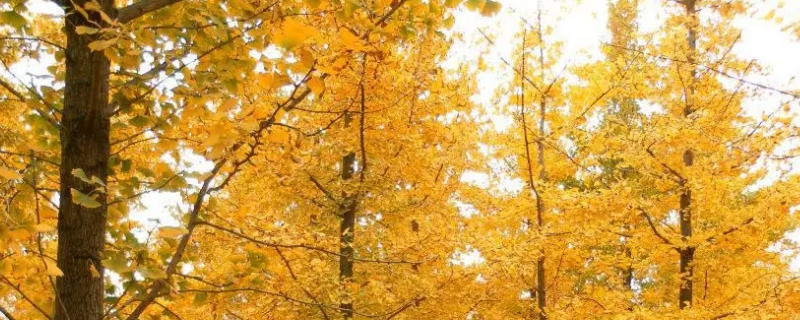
(84, 145)
(628, 276)
(541, 281)
(346, 233)
(686, 251)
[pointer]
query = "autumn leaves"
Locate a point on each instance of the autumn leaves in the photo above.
(319, 150)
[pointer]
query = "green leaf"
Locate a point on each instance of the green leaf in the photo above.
(13, 19)
(152, 273)
(97, 181)
(139, 121)
(451, 3)
(80, 174)
(83, 199)
(200, 298)
(475, 5)
(126, 165)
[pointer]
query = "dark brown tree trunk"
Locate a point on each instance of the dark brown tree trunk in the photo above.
(686, 251)
(541, 281)
(84, 145)
(346, 233)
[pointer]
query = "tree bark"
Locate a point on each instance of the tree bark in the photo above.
(84, 145)
(347, 232)
(541, 281)
(687, 251)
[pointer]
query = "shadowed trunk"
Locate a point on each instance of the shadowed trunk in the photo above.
(346, 232)
(686, 251)
(84, 145)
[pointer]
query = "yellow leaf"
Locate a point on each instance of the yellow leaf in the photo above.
(5, 268)
(52, 268)
(490, 8)
(19, 234)
(43, 228)
(9, 174)
(317, 85)
(172, 232)
(452, 3)
(278, 136)
(313, 3)
(228, 105)
(475, 5)
(349, 40)
(99, 45)
(85, 30)
(293, 33)
(93, 270)
(307, 58)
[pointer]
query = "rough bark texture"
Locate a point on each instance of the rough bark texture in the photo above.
(686, 251)
(346, 232)
(85, 145)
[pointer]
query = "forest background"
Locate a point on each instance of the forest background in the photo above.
(399, 159)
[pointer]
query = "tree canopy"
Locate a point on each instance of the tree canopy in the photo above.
(348, 159)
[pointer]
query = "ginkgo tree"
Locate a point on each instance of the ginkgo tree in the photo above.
(130, 88)
(318, 151)
(636, 208)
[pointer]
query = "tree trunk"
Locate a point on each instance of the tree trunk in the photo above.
(84, 145)
(346, 233)
(686, 251)
(541, 281)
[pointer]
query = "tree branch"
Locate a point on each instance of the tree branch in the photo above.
(140, 8)
(176, 257)
(655, 230)
(25, 297)
(729, 231)
(7, 314)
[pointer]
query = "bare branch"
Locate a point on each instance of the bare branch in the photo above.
(25, 297)
(711, 69)
(731, 230)
(140, 8)
(7, 314)
(307, 247)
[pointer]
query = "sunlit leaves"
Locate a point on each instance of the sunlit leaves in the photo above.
(293, 32)
(99, 45)
(13, 18)
(490, 8)
(52, 269)
(317, 85)
(86, 30)
(171, 232)
(9, 174)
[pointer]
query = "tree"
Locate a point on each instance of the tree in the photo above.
(700, 159)
(328, 160)
(116, 121)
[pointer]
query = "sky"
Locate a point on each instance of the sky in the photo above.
(582, 29)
